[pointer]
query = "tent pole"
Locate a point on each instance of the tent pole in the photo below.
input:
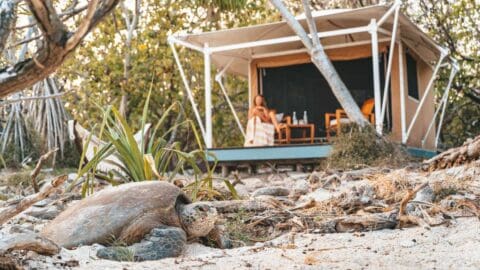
(249, 83)
(401, 78)
(389, 67)
(425, 94)
(273, 41)
(218, 78)
(208, 97)
(189, 91)
(376, 75)
(440, 122)
(394, 7)
(440, 106)
(326, 47)
(442, 115)
(185, 44)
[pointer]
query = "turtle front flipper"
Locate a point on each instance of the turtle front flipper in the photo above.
(162, 242)
(217, 238)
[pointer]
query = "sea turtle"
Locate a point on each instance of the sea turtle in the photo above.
(155, 211)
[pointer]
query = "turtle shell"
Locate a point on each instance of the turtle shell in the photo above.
(102, 217)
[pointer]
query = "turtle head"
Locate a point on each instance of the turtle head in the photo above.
(198, 219)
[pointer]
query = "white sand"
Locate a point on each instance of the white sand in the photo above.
(445, 247)
(455, 246)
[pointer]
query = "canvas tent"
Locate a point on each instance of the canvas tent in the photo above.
(377, 50)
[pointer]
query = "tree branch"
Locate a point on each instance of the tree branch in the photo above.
(36, 171)
(64, 16)
(57, 45)
(311, 25)
(48, 20)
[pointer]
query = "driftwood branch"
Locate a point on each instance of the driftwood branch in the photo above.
(36, 171)
(469, 151)
(371, 222)
(403, 204)
(246, 205)
(13, 210)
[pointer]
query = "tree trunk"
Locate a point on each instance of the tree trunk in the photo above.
(321, 61)
(131, 22)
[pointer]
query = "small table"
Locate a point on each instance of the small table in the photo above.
(304, 127)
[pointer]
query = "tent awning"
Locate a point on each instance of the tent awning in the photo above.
(234, 48)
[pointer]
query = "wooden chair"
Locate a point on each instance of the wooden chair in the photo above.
(333, 121)
(280, 129)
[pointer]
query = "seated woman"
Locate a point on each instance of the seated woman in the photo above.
(261, 124)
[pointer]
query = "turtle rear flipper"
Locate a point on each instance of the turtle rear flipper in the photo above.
(162, 242)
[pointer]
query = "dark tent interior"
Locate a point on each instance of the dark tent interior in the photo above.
(299, 88)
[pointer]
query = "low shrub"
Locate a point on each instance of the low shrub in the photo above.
(355, 147)
(70, 158)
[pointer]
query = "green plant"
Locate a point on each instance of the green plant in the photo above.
(149, 159)
(357, 147)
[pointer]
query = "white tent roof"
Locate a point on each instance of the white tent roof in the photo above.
(237, 59)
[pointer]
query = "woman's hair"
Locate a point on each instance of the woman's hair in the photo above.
(264, 103)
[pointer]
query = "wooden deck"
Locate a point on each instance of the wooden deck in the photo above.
(286, 153)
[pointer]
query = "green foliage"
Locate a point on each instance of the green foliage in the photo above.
(101, 77)
(223, 5)
(456, 26)
(358, 147)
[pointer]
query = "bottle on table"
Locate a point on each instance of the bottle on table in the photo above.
(294, 118)
(305, 118)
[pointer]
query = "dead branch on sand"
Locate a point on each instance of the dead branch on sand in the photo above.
(28, 241)
(245, 205)
(37, 169)
(403, 204)
(45, 191)
(469, 151)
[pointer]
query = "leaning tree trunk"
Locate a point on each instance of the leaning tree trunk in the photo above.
(321, 61)
(469, 151)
